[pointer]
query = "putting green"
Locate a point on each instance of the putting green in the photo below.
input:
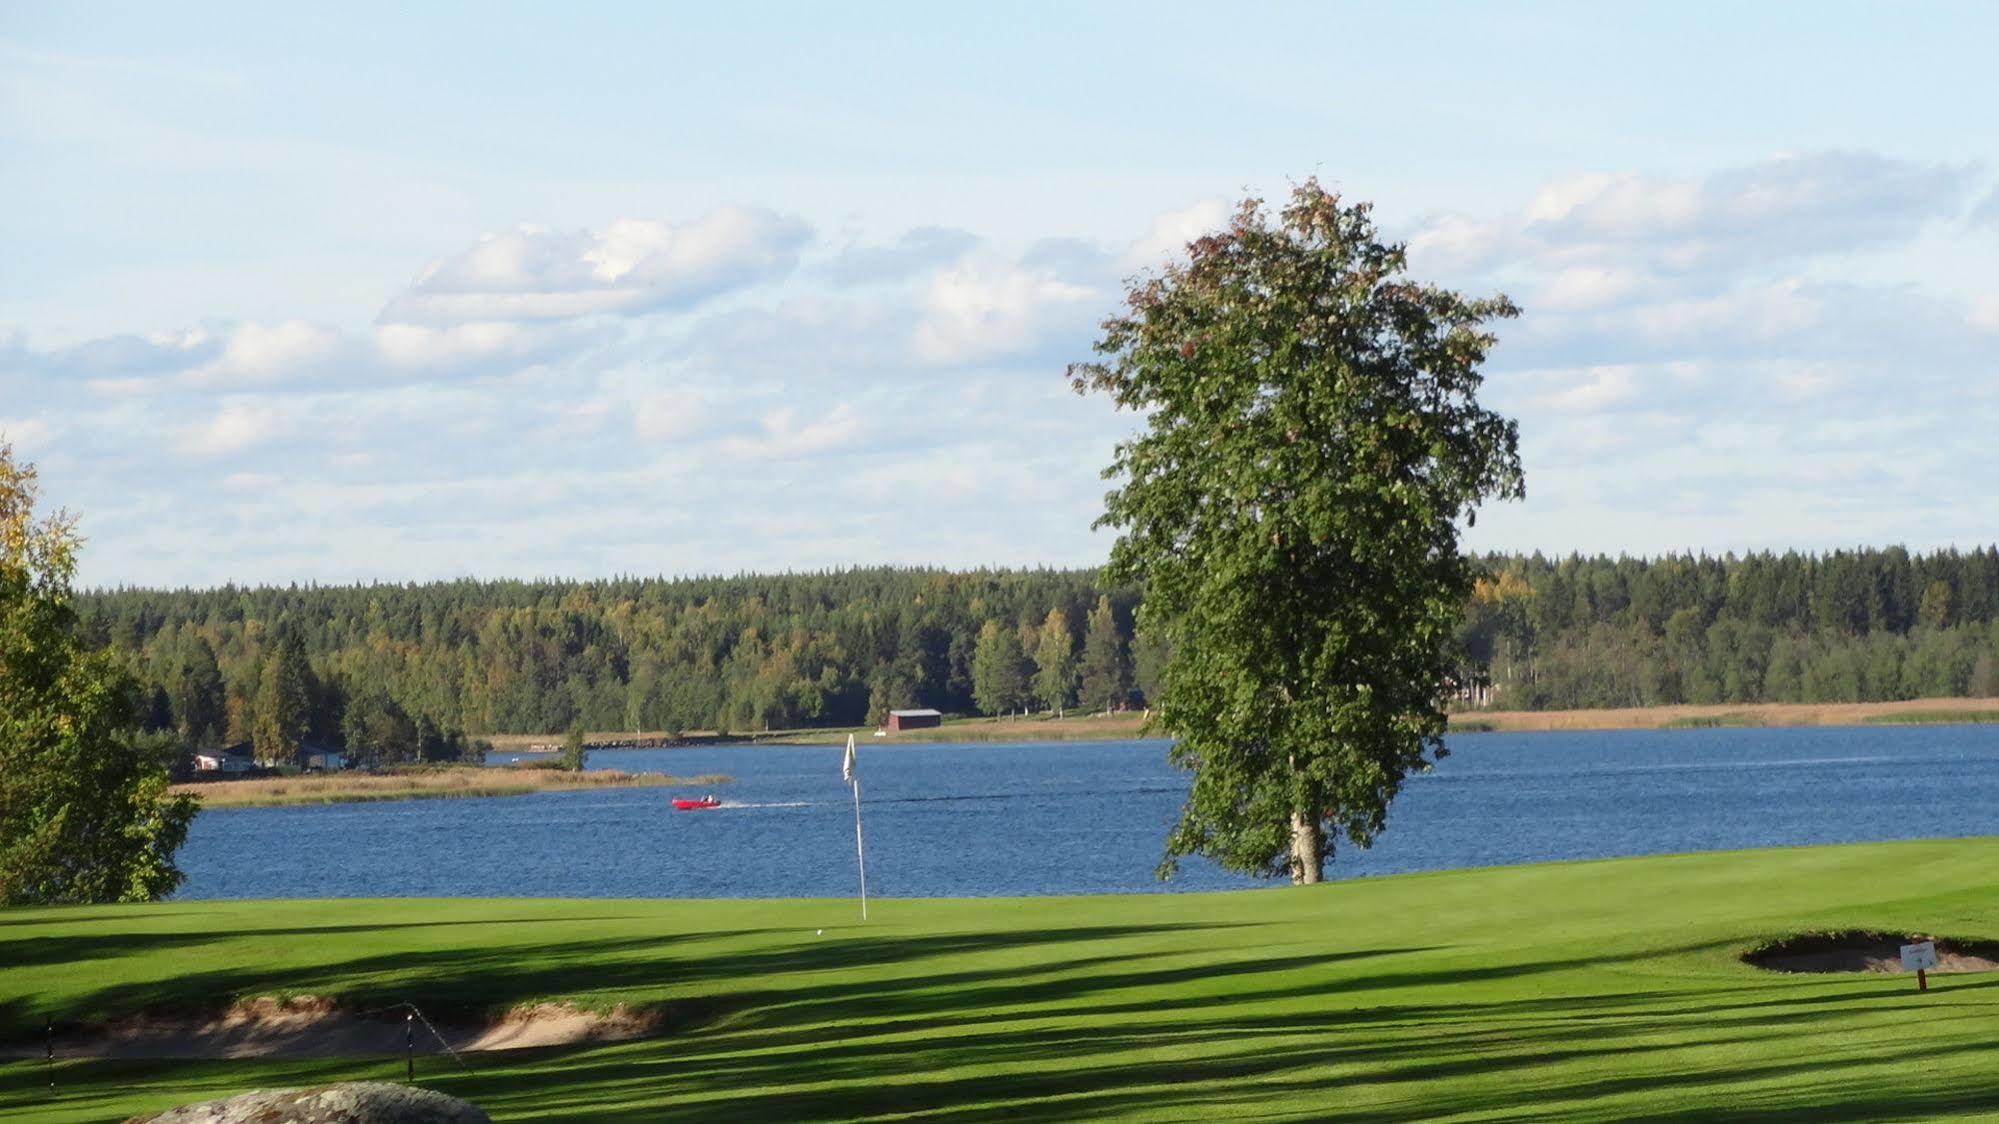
(1593, 991)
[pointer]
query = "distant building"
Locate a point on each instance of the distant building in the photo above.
(914, 719)
(322, 759)
(231, 762)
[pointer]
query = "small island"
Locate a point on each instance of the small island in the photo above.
(434, 783)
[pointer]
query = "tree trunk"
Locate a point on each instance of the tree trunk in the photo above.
(1308, 849)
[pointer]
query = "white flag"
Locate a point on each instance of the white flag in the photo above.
(847, 766)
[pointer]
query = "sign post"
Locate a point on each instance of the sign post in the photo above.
(1920, 958)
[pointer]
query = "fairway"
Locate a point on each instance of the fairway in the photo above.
(1594, 991)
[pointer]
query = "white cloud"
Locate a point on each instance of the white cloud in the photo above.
(1586, 287)
(235, 427)
(1986, 213)
(1166, 238)
(782, 435)
(434, 444)
(630, 266)
(921, 248)
(669, 417)
(251, 483)
(1598, 388)
(975, 313)
(29, 436)
(1985, 312)
(255, 353)
(1772, 213)
(480, 344)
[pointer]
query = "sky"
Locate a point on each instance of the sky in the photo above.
(370, 294)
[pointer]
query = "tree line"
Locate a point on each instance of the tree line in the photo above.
(372, 668)
(1848, 626)
(414, 671)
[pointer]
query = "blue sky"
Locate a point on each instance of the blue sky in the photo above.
(372, 294)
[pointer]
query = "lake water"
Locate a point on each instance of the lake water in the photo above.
(967, 820)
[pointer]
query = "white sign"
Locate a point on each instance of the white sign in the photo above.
(1919, 956)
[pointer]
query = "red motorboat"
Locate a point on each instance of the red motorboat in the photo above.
(683, 804)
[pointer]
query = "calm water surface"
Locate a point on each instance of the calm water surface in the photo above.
(967, 820)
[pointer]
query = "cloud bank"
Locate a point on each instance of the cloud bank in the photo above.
(1734, 360)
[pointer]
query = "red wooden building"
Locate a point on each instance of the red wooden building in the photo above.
(914, 719)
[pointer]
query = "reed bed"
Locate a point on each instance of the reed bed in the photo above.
(428, 784)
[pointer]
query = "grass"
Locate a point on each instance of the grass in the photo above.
(1711, 721)
(1590, 991)
(1733, 714)
(428, 784)
(1936, 717)
(1078, 726)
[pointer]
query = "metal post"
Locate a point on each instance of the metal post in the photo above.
(409, 1044)
(52, 1055)
(860, 852)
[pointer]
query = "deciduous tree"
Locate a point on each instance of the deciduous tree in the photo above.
(575, 755)
(1054, 661)
(1312, 440)
(85, 815)
(999, 669)
(1106, 669)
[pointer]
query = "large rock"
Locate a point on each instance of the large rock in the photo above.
(359, 1102)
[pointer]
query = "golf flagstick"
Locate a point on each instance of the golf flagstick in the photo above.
(860, 851)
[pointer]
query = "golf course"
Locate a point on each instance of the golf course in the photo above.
(1608, 990)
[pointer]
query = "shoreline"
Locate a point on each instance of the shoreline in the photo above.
(1133, 725)
(1922, 712)
(456, 783)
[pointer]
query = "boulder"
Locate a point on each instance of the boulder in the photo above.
(357, 1102)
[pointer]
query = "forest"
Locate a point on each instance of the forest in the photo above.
(397, 672)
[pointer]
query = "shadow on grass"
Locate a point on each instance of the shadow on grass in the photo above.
(1093, 1021)
(70, 948)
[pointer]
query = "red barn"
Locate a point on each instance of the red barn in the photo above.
(914, 719)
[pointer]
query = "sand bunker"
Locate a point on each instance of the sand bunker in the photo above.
(309, 1027)
(1868, 952)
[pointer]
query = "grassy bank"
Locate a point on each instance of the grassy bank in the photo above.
(1079, 727)
(1913, 711)
(430, 784)
(1073, 727)
(1590, 991)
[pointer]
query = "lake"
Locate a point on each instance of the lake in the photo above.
(1075, 818)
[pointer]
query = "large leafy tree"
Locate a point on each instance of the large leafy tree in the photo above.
(1312, 441)
(85, 815)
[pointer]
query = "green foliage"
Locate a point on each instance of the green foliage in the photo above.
(197, 694)
(84, 810)
(1842, 627)
(284, 703)
(999, 669)
(1933, 718)
(1312, 440)
(1704, 721)
(574, 756)
(521, 657)
(1055, 662)
(1106, 669)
